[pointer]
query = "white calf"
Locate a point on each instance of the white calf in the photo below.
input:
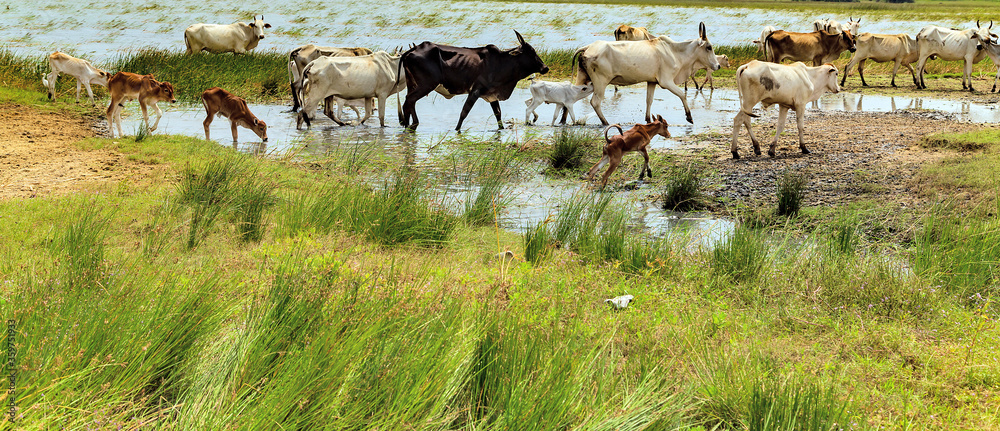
(80, 69)
(562, 94)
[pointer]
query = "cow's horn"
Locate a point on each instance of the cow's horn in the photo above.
(520, 39)
(991, 23)
(701, 30)
(978, 24)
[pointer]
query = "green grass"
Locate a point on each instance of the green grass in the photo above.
(367, 304)
(683, 188)
(791, 189)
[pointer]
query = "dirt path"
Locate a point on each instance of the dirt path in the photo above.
(854, 155)
(38, 158)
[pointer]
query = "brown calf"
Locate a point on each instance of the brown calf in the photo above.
(626, 32)
(223, 103)
(125, 86)
(634, 139)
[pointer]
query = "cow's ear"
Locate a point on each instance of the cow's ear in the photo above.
(520, 39)
(266, 25)
(251, 24)
(255, 122)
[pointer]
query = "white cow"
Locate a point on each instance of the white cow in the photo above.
(788, 86)
(953, 45)
(820, 25)
(562, 94)
(899, 48)
(301, 56)
(377, 75)
(80, 69)
(723, 62)
(660, 61)
(237, 37)
(763, 36)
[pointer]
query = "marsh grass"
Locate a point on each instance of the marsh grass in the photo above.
(568, 149)
(494, 189)
(682, 191)
(741, 257)
(537, 243)
(959, 251)
(791, 188)
(81, 247)
(158, 233)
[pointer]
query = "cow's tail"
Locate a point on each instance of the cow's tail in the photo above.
(187, 43)
(765, 42)
(582, 68)
(45, 82)
(607, 140)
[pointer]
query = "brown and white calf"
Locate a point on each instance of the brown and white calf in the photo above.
(634, 139)
(788, 86)
(125, 86)
(80, 69)
(225, 104)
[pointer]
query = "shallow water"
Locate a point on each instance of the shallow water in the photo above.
(99, 30)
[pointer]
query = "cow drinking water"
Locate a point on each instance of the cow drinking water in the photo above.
(80, 69)
(225, 104)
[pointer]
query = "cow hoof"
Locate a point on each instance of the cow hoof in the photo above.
(770, 154)
(804, 151)
(689, 119)
(736, 156)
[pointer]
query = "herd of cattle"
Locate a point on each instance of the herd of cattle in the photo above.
(351, 77)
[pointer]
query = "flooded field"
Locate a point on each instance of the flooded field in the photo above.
(101, 30)
(535, 195)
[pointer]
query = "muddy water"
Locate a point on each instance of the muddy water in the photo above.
(536, 197)
(99, 30)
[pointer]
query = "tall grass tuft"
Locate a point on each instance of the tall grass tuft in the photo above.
(494, 188)
(844, 239)
(683, 189)
(960, 252)
(741, 257)
(253, 198)
(791, 192)
(537, 243)
(568, 219)
(81, 244)
(794, 406)
(568, 149)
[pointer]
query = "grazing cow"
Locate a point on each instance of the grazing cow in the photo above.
(788, 86)
(223, 103)
(953, 45)
(484, 72)
(763, 36)
(899, 48)
(80, 69)
(237, 37)
(634, 139)
(125, 86)
(625, 32)
(723, 62)
(562, 94)
(364, 77)
(301, 56)
(659, 61)
(819, 47)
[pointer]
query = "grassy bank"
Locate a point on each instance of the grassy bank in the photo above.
(363, 305)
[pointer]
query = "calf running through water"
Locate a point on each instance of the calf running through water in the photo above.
(634, 139)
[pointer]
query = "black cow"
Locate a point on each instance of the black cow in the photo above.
(485, 72)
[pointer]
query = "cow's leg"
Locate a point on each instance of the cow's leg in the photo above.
(90, 92)
(533, 104)
(110, 113)
(145, 115)
(159, 114)
(847, 69)
(913, 73)
(496, 112)
(596, 99)
(555, 113)
(572, 115)
(800, 120)
(967, 75)
(233, 124)
(920, 72)
(473, 96)
(645, 166)
(53, 76)
(381, 110)
(650, 89)
(709, 80)
(861, 72)
(208, 121)
(410, 104)
(615, 158)
(737, 122)
(79, 83)
(673, 89)
(369, 104)
(995, 80)
(328, 108)
(782, 115)
(597, 166)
